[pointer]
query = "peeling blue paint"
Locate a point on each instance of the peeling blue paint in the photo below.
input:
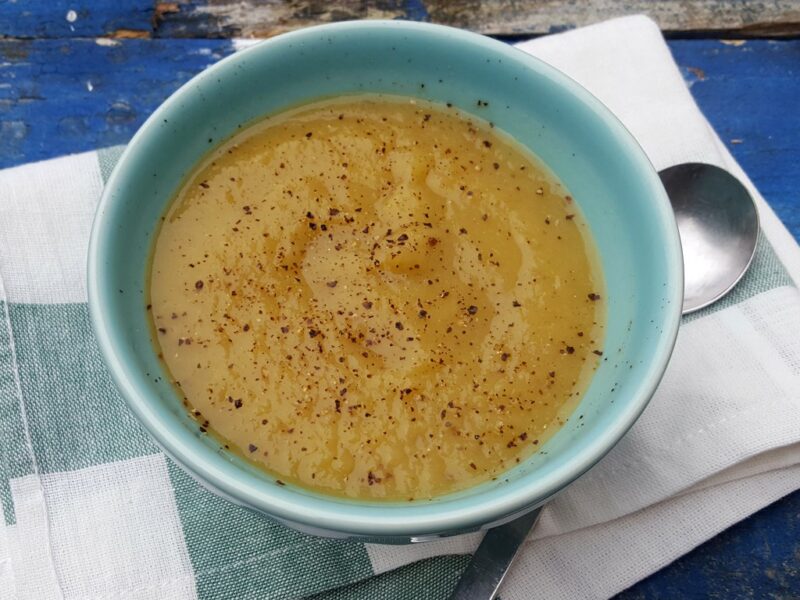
(415, 10)
(54, 103)
(73, 18)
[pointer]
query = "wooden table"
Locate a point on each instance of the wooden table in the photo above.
(80, 75)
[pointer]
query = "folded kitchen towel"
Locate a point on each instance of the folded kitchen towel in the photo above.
(93, 509)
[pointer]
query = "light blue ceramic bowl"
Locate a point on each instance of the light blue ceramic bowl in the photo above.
(589, 150)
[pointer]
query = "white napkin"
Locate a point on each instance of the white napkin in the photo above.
(721, 437)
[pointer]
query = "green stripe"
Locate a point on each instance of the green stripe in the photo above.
(431, 579)
(766, 273)
(15, 457)
(107, 158)
(76, 417)
(238, 554)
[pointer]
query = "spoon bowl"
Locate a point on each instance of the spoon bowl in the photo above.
(718, 226)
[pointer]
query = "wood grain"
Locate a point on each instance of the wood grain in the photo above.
(265, 18)
(509, 17)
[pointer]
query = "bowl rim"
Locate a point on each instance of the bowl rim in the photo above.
(374, 519)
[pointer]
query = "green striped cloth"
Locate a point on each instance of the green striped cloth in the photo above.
(93, 509)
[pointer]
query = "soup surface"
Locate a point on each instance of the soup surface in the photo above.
(377, 297)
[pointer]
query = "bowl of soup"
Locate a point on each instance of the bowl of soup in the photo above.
(385, 280)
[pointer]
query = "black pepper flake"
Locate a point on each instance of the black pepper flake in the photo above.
(423, 313)
(367, 304)
(308, 135)
(198, 285)
(333, 211)
(332, 284)
(552, 373)
(204, 185)
(598, 352)
(487, 144)
(313, 333)
(570, 217)
(284, 329)
(252, 447)
(162, 330)
(472, 309)
(473, 467)
(496, 166)
(312, 226)
(570, 350)
(432, 241)
(593, 297)
(402, 237)
(279, 482)
(516, 304)
(246, 327)
(238, 403)
(399, 326)
(523, 436)
(504, 356)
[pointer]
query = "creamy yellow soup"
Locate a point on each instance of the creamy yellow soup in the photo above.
(377, 297)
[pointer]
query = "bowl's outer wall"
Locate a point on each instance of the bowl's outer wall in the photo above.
(605, 171)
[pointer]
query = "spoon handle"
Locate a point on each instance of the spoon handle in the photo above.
(490, 563)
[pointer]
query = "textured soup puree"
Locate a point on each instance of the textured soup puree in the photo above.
(377, 297)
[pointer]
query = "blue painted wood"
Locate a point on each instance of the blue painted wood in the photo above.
(73, 18)
(62, 96)
(751, 95)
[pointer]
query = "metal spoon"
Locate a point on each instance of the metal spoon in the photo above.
(718, 226)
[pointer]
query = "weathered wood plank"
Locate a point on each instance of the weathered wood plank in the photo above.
(76, 18)
(64, 96)
(510, 17)
(264, 18)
